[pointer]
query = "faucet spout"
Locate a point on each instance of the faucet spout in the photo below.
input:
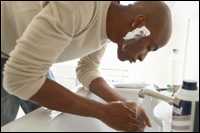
(147, 92)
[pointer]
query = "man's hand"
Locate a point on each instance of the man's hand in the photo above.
(124, 116)
(140, 113)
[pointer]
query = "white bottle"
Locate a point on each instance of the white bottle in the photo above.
(176, 70)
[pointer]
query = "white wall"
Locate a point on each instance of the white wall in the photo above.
(65, 75)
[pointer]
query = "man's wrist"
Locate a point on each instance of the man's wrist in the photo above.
(99, 110)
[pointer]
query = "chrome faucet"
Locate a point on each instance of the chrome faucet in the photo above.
(156, 94)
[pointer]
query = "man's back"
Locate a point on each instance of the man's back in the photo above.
(15, 17)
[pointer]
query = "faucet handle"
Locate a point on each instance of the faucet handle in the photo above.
(141, 93)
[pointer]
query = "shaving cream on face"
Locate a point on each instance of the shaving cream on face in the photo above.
(137, 33)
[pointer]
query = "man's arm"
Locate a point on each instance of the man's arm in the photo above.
(56, 97)
(101, 88)
(114, 114)
(89, 75)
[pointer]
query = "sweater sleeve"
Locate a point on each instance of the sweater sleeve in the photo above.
(88, 67)
(36, 50)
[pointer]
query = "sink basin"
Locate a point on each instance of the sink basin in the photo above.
(162, 112)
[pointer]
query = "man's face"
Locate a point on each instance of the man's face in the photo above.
(133, 50)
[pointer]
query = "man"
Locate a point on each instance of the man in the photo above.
(63, 31)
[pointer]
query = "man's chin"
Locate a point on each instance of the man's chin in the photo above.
(122, 58)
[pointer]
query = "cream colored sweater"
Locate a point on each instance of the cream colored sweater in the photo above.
(61, 31)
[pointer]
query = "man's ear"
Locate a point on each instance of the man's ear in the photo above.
(138, 22)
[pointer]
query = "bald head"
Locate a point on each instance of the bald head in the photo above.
(157, 19)
(155, 15)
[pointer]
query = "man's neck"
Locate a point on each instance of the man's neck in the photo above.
(118, 24)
